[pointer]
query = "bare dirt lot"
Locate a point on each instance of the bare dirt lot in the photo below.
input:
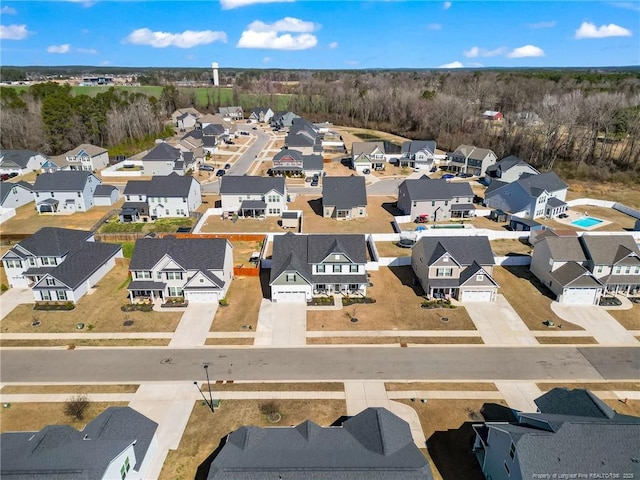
(615, 192)
(215, 224)
(391, 249)
(397, 307)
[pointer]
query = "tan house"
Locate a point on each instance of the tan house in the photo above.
(344, 198)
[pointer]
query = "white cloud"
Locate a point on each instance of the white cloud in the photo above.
(64, 48)
(89, 51)
(446, 5)
(526, 51)
(434, 26)
(539, 25)
(589, 30)
(455, 64)
(84, 3)
(13, 32)
(186, 39)
(229, 4)
(266, 59)
(627, 5)
(7, 10)
(263, 35)
(333, 45)
(352, 63)
(105, 62)
(474, 52)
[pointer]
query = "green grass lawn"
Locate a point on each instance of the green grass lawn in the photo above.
(163, 225)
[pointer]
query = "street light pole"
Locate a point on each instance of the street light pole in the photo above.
(209, 402)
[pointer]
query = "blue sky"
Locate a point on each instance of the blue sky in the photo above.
(326, 34)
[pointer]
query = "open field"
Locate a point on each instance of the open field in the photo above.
(629, 319)
(397, 307)
(70, 389)
(204, 431)
(528, 297)
(31, 417)
(349, 136)
(99, 311)
(615, 192)
(244, 297)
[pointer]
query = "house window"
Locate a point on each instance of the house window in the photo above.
(79, 194)
(337, 268)
(353, 286)
(617, 270)
(320, 268)
(627, 270)
(51, 281)
(46, 295)
(174, 275)
(175, 291)
(13, 263)
(143, 274)
(446, 202)
(445, 258)
(139, 197)
(479, 277)
(353, 268)
(14, 191)
(444, 272)
(184, 199)
(433, 203)
(506, 468)
(32, 262)
(291, 277)
(62, 295)
(49, 261)
(167, 211)
(599, 269)
(159, 275)
(512, 451)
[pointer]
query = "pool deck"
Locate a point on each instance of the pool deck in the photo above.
(576, 215)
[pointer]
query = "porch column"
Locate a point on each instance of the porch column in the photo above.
(131, 296)
(152, 297)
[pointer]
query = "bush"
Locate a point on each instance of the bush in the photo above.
(269, 408)
(75, 406)
(223, 302)
(3, 288)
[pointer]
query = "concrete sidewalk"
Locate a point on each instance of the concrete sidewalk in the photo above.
(499, 324)
(520, 395)
(14, 297)
(281, 324)
(597, 321)
(194, 325)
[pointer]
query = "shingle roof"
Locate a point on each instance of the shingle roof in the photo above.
(367, 148)
(411, 147)
(136, 187)
(54, 241)
(91, 150)
(425, 188)
(575, 275)
(189, 253)
(63, 181)
(247, 184)
(172, 185)
(213, 129)
(577, 402)
(507, 163)
(609, 249)
(104, 190)
(373, 445)
(344, 192)
(469, 151)
(19, 157)
(464, 250)
(62, 453)
(162, 152)
(565, 249)
(535, 184)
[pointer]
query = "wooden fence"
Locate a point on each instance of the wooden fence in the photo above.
(242, 271)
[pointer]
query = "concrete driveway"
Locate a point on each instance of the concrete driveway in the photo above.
(499, 324)
(281, 324)
(597, 321)
(14, 297)
(194, 325)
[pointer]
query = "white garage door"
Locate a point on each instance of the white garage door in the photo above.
(289, 297)
(476, 296)
(201, 297)
(580, 296)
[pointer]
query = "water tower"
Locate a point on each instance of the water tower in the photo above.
(216, 80)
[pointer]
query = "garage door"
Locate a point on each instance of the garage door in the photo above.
(290, 297)
(476, 296)
(201, 297)
(580, 296)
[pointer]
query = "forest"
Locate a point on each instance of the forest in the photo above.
(582, 123)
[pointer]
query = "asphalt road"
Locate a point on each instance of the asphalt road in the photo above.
(321, 363)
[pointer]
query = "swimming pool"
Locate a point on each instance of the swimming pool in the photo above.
(586, 222)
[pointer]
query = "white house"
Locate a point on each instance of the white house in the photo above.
(249, 196)
(163, 159)
(21, 161)
(418, 154)
(368, 156)
(186, 120)
(509, 169)
(65, 191)
(198, 269)
(14, 195)
(87, 157)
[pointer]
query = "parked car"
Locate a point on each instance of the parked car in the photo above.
(308, 179)
(254, 128)
(4, 176)
(433, 169)
(220, 173)
(230, 142)
(448, 176)
(207, 168)
(314, 182)
(227, 166)
(13, 174)
(366, 171)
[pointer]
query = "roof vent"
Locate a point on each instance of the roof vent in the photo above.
(86, 437)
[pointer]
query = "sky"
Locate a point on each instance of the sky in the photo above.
(320, 34)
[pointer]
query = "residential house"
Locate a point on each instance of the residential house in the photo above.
(531, 196)
(14, 195)
(293, 163)
(106, 195)
(119, 443)
(560, 264)
(54, 164)
(192, 143)
(492, 115)
(65, 191)
(282, 120)
(615, 261)
(261, 114)
(21, 161)
(182, 111)
(249, 196)
(212, 135)
(344, 198)
(87, 157)
(186, 121)
(304, 266)
(435, 200)
(374, 444)
(304, 137)
(198, 269)
(163, 159)
(471, 160)
(233, 113)
(59, 264)
(418, 154)
(574, 434)
(161, 197)
(216, 119)
(368, 156)
(455, 267)
(526, 118)
(509, 169)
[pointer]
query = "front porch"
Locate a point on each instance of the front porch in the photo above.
(626, 289)
(339, 289)
(443, 293)
(141, 291)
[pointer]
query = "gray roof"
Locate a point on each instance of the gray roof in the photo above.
(19, 157)
(309, 162)
(410, 148)
(172, 185)
(137, 187)
(367, 148)
(247, 184)
(162, 152)
(63, 181)
(425, 188)
(81, 264)
(565, 249)
(609, 249)
(524, 221)
(60, 452)
(373, 445)
(507, 163)
(6, 187)
(189, 253)
(213, 129)
(469, 151)
(104, 190)
(577, 402)
(464, 250)
(534, 185)
(572, 274)
(344, 192)
(91, 150)
(53, 241)
(293, 252)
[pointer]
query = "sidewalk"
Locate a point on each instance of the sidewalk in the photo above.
(520, 395)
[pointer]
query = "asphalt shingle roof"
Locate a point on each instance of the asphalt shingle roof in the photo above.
(575, 275)
(104, 190)
(367, 148)
(469, 151)
(565, 249)
(63, 181)
(54, 241)
(609, 249)
(172, 185)
(189, 253)
(412, 147)
(19, 157)
(6, 187)
(91, 150)
(247, 184)
(162, 152)
(535, 184)
(464, 250)
(424, 188)
(344, 192)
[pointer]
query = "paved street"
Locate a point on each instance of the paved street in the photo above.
(321, 363)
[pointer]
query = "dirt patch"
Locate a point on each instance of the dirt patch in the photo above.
(504, 247)
(70, 389)
(229, 341)
(403, 341)
(615, 192)
(242, 251)
(99, 342)
(391, 249)
(567, 340)
(628, 407)
(279, 387)
(598, 386)
(244, 298)
(629, 319)
(441, 386)
(215, 224)
(397, 307)
(204, 431)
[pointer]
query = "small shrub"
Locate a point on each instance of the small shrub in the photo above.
(3, 288)
(223, 302)
(75, 406)
(269, 408)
